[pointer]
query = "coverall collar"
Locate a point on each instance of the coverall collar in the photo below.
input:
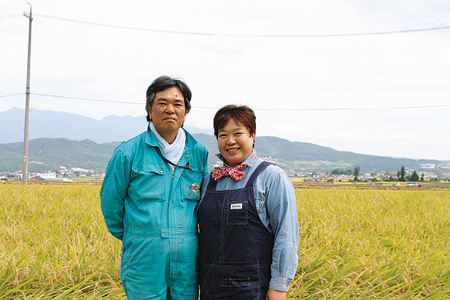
(150, 139)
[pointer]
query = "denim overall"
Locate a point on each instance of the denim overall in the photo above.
(235, 247)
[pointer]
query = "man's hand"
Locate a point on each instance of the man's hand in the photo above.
(275, 295)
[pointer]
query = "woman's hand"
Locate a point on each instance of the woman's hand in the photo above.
(275, 295)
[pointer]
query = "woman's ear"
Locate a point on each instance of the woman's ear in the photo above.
(253, 137)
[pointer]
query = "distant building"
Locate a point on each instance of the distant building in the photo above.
(81, 170)
(428, 166)
(47, 175)
(14, 177)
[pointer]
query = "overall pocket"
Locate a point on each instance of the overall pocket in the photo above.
(147, 183)
(237, 213)
(237, 281)
(190, 184)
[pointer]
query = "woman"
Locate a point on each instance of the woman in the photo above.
(247, 218)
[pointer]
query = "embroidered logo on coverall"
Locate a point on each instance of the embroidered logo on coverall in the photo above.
(194, 187)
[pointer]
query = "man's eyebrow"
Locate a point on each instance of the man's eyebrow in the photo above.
(165, 99)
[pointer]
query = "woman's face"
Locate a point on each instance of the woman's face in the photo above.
(235, 142)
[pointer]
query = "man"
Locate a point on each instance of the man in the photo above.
(148, 198)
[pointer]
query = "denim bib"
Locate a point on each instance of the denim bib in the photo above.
(234, 245)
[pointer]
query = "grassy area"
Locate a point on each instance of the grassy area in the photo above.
(354, 244)
(54, 244)
(373, 244)
(301, 182)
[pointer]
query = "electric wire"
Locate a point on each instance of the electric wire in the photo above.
(260, 109)
(85, 99)
(2, 96)
(247, 35)
(10, 16)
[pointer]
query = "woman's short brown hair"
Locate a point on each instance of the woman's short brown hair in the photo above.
(242, 115)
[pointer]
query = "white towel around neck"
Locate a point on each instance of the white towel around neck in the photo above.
(172, 151)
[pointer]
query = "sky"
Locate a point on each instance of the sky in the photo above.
(371, 77)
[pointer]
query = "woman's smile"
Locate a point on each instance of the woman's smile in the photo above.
(235, 143)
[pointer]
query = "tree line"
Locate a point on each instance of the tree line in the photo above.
(355, 172)
(401, 174)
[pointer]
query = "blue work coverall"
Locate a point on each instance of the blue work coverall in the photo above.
(153, 214)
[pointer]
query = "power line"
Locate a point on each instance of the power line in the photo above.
(361, 108)
(247, 35)
(87, 99)
(11, 16)
(271, 109)
(2, 96)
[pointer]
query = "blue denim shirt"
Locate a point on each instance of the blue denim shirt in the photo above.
(277, 209)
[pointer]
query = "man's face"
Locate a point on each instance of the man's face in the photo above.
(168, 112)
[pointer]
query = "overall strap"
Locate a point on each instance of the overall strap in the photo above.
(212, 183)
(262, 166)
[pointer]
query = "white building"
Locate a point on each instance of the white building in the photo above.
(47, 175)
(427, 166)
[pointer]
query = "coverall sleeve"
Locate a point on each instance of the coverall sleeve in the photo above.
(282, 210)
(205, 170)
(114, 191)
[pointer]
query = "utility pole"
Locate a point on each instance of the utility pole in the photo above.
(27, 105)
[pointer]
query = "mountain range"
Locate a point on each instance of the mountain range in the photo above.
(71, 140)
(55, 124)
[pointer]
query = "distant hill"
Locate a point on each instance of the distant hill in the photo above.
(70, 140)
(50, 154)
(294, 157)
(299, 157)
(54, 124)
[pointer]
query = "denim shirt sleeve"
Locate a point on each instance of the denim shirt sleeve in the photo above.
(281, 218)
(114, 191)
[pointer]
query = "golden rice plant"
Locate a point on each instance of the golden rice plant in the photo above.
(373, 244)
(354, 244)
(54, 244)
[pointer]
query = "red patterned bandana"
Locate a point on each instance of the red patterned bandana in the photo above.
(234, 173)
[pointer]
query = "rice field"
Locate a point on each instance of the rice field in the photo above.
(373, 244)
(354, 244)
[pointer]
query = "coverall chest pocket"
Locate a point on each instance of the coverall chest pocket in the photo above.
(190, 184)
(237, 213)
(147, 183)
